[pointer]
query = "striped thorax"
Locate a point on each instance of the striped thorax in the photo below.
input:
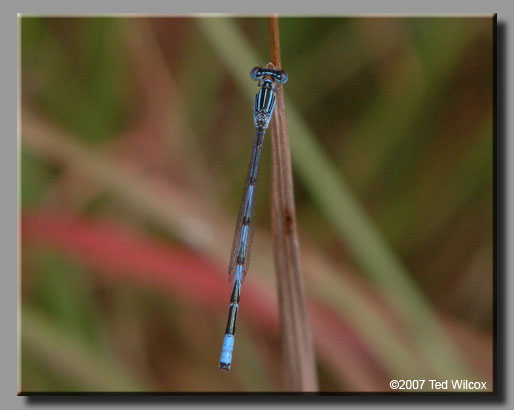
(264, 104)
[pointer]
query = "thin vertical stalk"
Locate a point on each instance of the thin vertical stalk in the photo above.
(298, 353)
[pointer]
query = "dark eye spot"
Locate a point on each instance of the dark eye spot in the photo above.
(283, 77)
(254, 73)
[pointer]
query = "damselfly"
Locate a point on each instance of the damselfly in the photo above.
(265, 100)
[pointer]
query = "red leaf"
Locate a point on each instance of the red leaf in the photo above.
(119, 253)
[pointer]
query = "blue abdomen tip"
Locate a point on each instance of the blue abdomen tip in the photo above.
(226, 352)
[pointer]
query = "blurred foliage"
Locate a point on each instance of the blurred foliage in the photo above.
(390, 122)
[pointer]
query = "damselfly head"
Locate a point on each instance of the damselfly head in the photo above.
(263, 73)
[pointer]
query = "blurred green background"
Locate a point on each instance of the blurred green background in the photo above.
(135, 139)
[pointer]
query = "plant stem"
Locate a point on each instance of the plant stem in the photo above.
(299, 361)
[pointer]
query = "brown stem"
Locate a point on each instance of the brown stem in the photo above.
(299, 362)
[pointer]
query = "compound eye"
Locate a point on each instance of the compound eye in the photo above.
(283, 77)
(254, 72)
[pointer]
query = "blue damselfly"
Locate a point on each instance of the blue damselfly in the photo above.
(268, 78)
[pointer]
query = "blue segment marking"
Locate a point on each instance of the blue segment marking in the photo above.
(226, 352)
